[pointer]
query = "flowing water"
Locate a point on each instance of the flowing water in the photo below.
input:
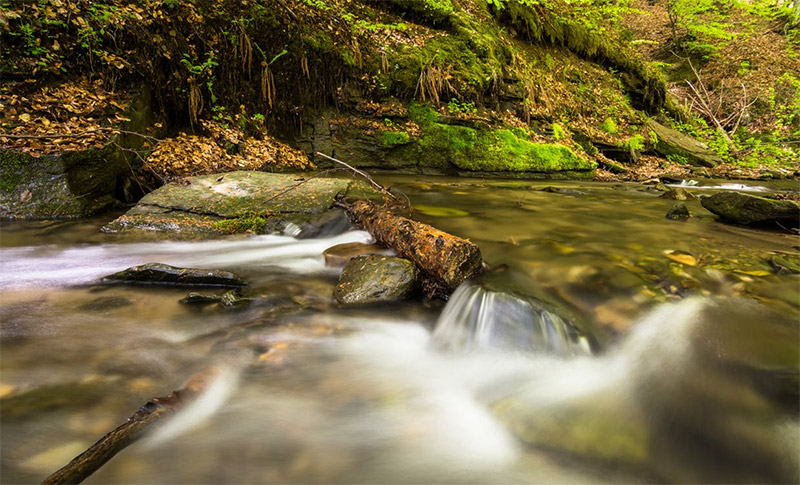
(607, 345)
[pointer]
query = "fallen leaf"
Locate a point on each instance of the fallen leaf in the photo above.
(681, 257)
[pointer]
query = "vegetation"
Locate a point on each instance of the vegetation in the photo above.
(505, 75)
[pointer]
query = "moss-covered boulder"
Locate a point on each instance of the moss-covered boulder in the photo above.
(749, 209)
(243, 201)
(679, 147)
(164, 274)
(373, 278)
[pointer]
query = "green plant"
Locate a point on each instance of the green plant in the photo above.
(635, 143)
(609, 126)
(558, 132)
(456, 106)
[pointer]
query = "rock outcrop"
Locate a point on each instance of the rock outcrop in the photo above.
(749, 209)
(242, 201)
(675, 145)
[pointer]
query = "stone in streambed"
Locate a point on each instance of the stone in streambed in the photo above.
(785, 264)
(372, 278)
(242, 201)
(164, 274)
(678, 212)
(749, 209)
(677, 193)
(340, 254)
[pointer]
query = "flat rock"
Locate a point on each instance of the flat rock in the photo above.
(340, 254)
(373, 278)
(672, 143)
(271, 203)
(164, 274)
(749, 209)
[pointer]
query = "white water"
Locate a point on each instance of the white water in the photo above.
(479, 319)
(741, 187)
(50, 266)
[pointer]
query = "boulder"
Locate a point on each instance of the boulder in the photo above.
(674, 144)
(373, 278)
(164, 274)
(340, 254)
(242, 201)
(750, 209)
(66, 186)
(678, 212)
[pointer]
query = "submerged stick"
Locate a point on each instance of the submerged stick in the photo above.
(148, 417)
(449, 259)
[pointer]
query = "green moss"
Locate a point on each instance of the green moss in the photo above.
(558, 132)
(609, 126)
(254, 224)
(394, 138)
(635, 143)
(14, 168)
(501, 150)
(422, 114)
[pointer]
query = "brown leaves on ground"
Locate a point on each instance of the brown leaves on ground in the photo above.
(52, 119)
(190, 155)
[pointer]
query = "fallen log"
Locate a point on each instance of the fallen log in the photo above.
(148, 417)
(447, 258)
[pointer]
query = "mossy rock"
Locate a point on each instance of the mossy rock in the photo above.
(674, 144)
(750, 209)
(66, 186)
(243, 201)
(373, 278)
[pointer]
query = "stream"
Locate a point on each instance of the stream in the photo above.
(608, 344)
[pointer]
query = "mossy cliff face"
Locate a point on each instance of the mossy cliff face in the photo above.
(420, 140)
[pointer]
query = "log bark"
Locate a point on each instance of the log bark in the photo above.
(447, 258)
(138, 425)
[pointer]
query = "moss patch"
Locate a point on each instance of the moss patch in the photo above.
(498, 150)
(254, 224)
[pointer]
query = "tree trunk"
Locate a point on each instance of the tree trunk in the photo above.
(447, 258)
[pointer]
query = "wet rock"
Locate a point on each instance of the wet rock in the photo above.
(597, 431)
(67, 186)
(164, 274)
(749, 209)
(678, 212)
(195, 298)
(242, 201)
(105, 303)
(372, 278)
(674, 144)
(340, 254)
(231, 300)
(561, 190)
(677, 193)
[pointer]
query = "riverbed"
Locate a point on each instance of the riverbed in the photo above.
(687, 369)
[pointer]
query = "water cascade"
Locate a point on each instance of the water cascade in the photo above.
(480, 318)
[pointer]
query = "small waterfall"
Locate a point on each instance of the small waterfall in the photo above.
(479, 318)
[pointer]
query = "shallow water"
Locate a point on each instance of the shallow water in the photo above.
(688, 381)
